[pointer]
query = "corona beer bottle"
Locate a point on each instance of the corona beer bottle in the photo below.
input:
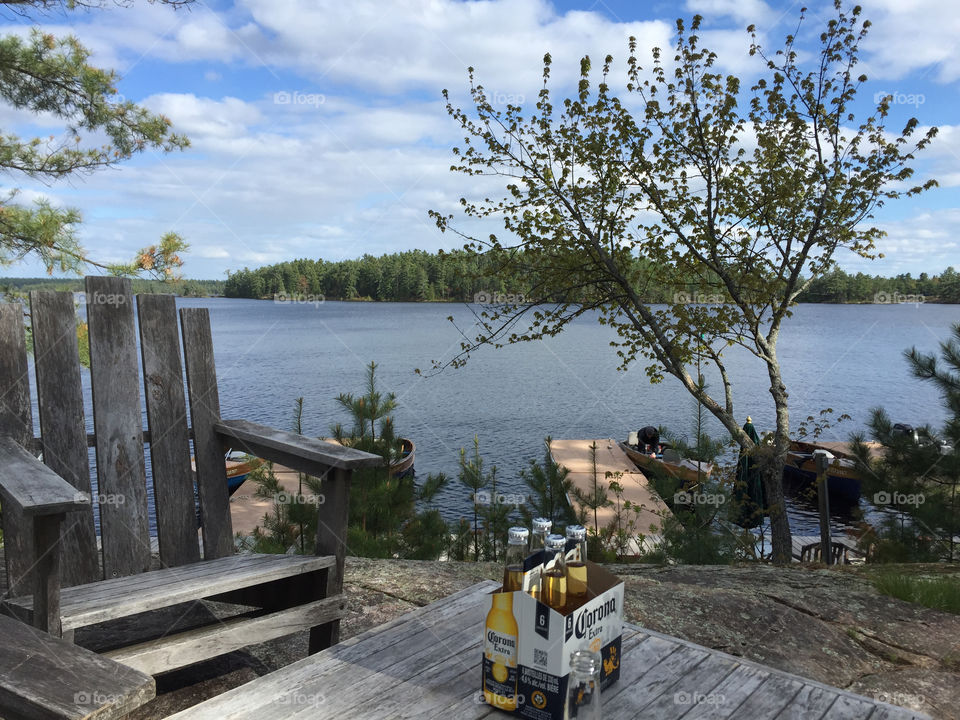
(553, 583)
(516, 555)
(541, 529)
(500, 653)
(576, 566)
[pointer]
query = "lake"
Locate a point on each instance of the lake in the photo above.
(845, 357)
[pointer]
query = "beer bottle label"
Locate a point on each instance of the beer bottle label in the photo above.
(500, 667)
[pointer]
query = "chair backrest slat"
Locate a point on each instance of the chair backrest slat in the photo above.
(169, 439)
(121, 471)
(207, 449)
(62, 428)
(16, 420)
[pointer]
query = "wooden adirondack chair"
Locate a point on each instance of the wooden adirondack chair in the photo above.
(47, 512)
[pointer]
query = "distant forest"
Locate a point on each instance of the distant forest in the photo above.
(417, 276)
(185, 288)
(420, 276)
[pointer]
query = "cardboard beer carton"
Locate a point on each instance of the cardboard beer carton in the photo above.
(527, 646)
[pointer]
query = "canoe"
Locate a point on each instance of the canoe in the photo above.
(688, 471)
(843, 479)
(238, 466)
(237, 470)
(404, 466)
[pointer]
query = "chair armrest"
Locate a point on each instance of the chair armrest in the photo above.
(298, 452)
(32, 487)
(45, 677)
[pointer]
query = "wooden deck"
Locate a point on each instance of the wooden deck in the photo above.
(426, 664)
(575, 456)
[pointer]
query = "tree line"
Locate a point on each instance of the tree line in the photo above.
(421, 276)
(141, 286)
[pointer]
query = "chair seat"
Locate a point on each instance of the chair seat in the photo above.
(84, 605)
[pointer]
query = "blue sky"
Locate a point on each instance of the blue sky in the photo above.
(318, 128)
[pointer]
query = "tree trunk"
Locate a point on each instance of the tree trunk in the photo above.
(773, 470)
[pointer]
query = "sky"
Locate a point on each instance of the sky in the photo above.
(318, 128)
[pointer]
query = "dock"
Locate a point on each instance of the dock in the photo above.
(575, 456)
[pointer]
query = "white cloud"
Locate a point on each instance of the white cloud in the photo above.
(909, 35)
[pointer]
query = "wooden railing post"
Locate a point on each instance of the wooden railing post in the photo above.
(46, 593)
(333, 518)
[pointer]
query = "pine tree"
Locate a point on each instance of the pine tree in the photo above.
(918, 475)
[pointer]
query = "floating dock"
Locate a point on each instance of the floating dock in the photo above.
(575, 456)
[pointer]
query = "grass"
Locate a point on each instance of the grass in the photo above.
(937, 593)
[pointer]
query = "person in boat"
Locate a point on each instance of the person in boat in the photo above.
(648, 438)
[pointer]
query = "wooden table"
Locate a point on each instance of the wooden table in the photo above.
(45, 677)
(426, 664)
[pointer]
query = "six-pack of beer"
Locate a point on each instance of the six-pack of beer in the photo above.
(553, 603)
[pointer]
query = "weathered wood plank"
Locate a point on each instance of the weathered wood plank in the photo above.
(724, 700)
(768, 700)
(693, 687)
(16, 421)
(846, 707)
(60, 403)
(375, 650)
(31, 487)
(810, 703)
(652, 684)
(121, 470)
(119, 597)
(167, 420)
(45, 677)
(176, 651)
(333, 515)
(207, 450)
(297, 452)
(46, 589)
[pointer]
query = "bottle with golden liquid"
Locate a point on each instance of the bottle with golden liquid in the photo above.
(500, 653)
(538, 545)
(553, 581)
(576, 566)
(513, 571)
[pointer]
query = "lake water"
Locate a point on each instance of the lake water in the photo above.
(845, 357)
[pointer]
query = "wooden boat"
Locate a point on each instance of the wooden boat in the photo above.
(669, 463)
(843, 480)
(404, 466)
(239, 465)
